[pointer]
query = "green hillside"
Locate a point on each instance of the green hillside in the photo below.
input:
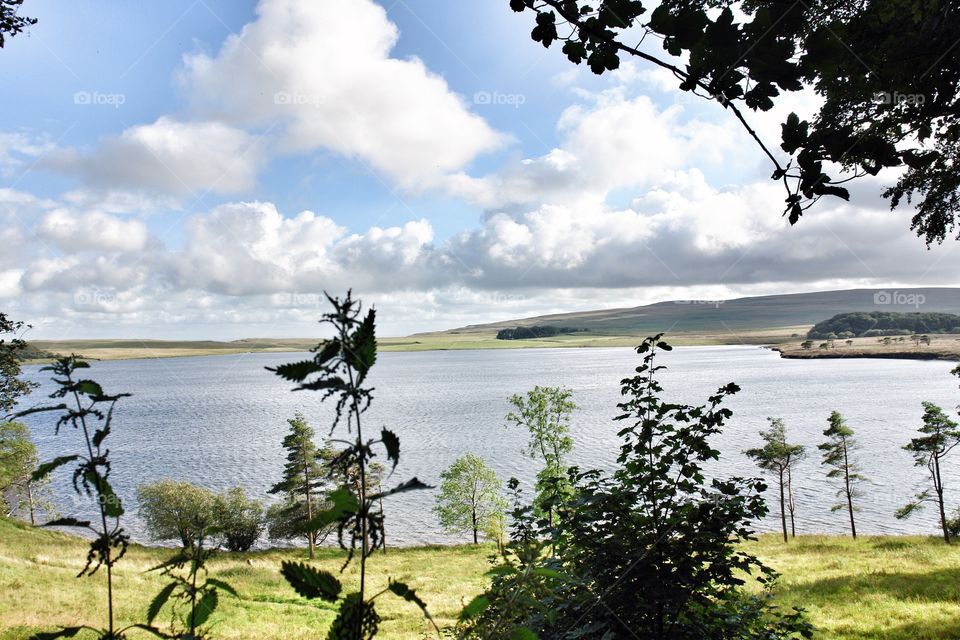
(759, 312)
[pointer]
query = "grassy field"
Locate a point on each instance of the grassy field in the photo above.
(941, 347)
(467, 339)
(894, 588)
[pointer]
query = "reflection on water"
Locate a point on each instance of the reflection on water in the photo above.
(218, 421)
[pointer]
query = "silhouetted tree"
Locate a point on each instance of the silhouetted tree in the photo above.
(777, 456)
(939, 436)
(744, 54)
(838, 454)
(11, 23)
(12, 388)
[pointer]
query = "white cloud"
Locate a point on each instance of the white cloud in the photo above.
(324, 70)
(169, 156)
(613, 142)
(92, 231)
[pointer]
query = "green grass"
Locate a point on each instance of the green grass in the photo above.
(894, 588)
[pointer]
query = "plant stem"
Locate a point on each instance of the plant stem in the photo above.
(103, 513)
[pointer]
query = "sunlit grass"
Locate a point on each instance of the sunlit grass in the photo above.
(877, 587)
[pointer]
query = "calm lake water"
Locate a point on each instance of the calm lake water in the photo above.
(218, 421)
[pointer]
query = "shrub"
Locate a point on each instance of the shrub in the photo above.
(239, 520)
(176, 510)
(652, 548)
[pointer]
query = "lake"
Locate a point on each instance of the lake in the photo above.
(218, 421)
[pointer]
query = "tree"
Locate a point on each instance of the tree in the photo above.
(12, 388)
(940, 436)
(239, 519)
(806, 344)
(545, 413)
(838, 455)
(470, 497)
(652, 551)
(745, 54)
(10, 22)
(302, 483)
(177, 510)
(24, 496)
(777, 456)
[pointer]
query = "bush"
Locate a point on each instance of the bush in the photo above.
(239, 520)
(653, 548)
(176, 510)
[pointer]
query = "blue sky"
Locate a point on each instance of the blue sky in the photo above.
(206, 169)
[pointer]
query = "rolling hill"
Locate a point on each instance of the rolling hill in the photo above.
(753, 313)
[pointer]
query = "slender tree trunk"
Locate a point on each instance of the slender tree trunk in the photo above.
(311, 535)
(938, 485)
(846, 480)
(473, 516)
(33, 518)
(783, 508)
(792, 505)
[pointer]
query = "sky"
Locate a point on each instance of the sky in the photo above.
(207, 169)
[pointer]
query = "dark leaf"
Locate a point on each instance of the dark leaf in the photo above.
(225, 586)
(310, 582)
(158, 601)
(67, 522)
(392, 444)
(408, 594)
(45, 469)
(413, 484)
(66, 632)
(344, 504)
(205, 608)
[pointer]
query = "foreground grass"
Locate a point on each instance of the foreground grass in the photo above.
(895, 588)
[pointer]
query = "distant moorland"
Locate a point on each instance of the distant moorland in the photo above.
(781, 321)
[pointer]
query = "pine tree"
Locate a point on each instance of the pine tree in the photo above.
(940, 436)
(838, 454)
(777, 456)
(303, 479)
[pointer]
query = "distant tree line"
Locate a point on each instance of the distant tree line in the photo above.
(536, 331)
(883, 323)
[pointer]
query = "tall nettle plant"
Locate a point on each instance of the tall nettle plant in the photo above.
(339, 370)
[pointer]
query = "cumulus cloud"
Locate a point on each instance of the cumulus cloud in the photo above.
(612, 141)
(92, 231)
(169, 156)
(324, 71)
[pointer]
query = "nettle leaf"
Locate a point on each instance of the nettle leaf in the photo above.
(344, 504)
(362, 352)
(67, 522)
(413, 484)
(89, 388)
(392, 444)
(159, 600)
(47, 467)
(66, 632)
(523, 633)
(310, 582)
(296, 371)
(205, 608)
(475, 607)
(27, 412)
(402, 590)
(225, 586)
